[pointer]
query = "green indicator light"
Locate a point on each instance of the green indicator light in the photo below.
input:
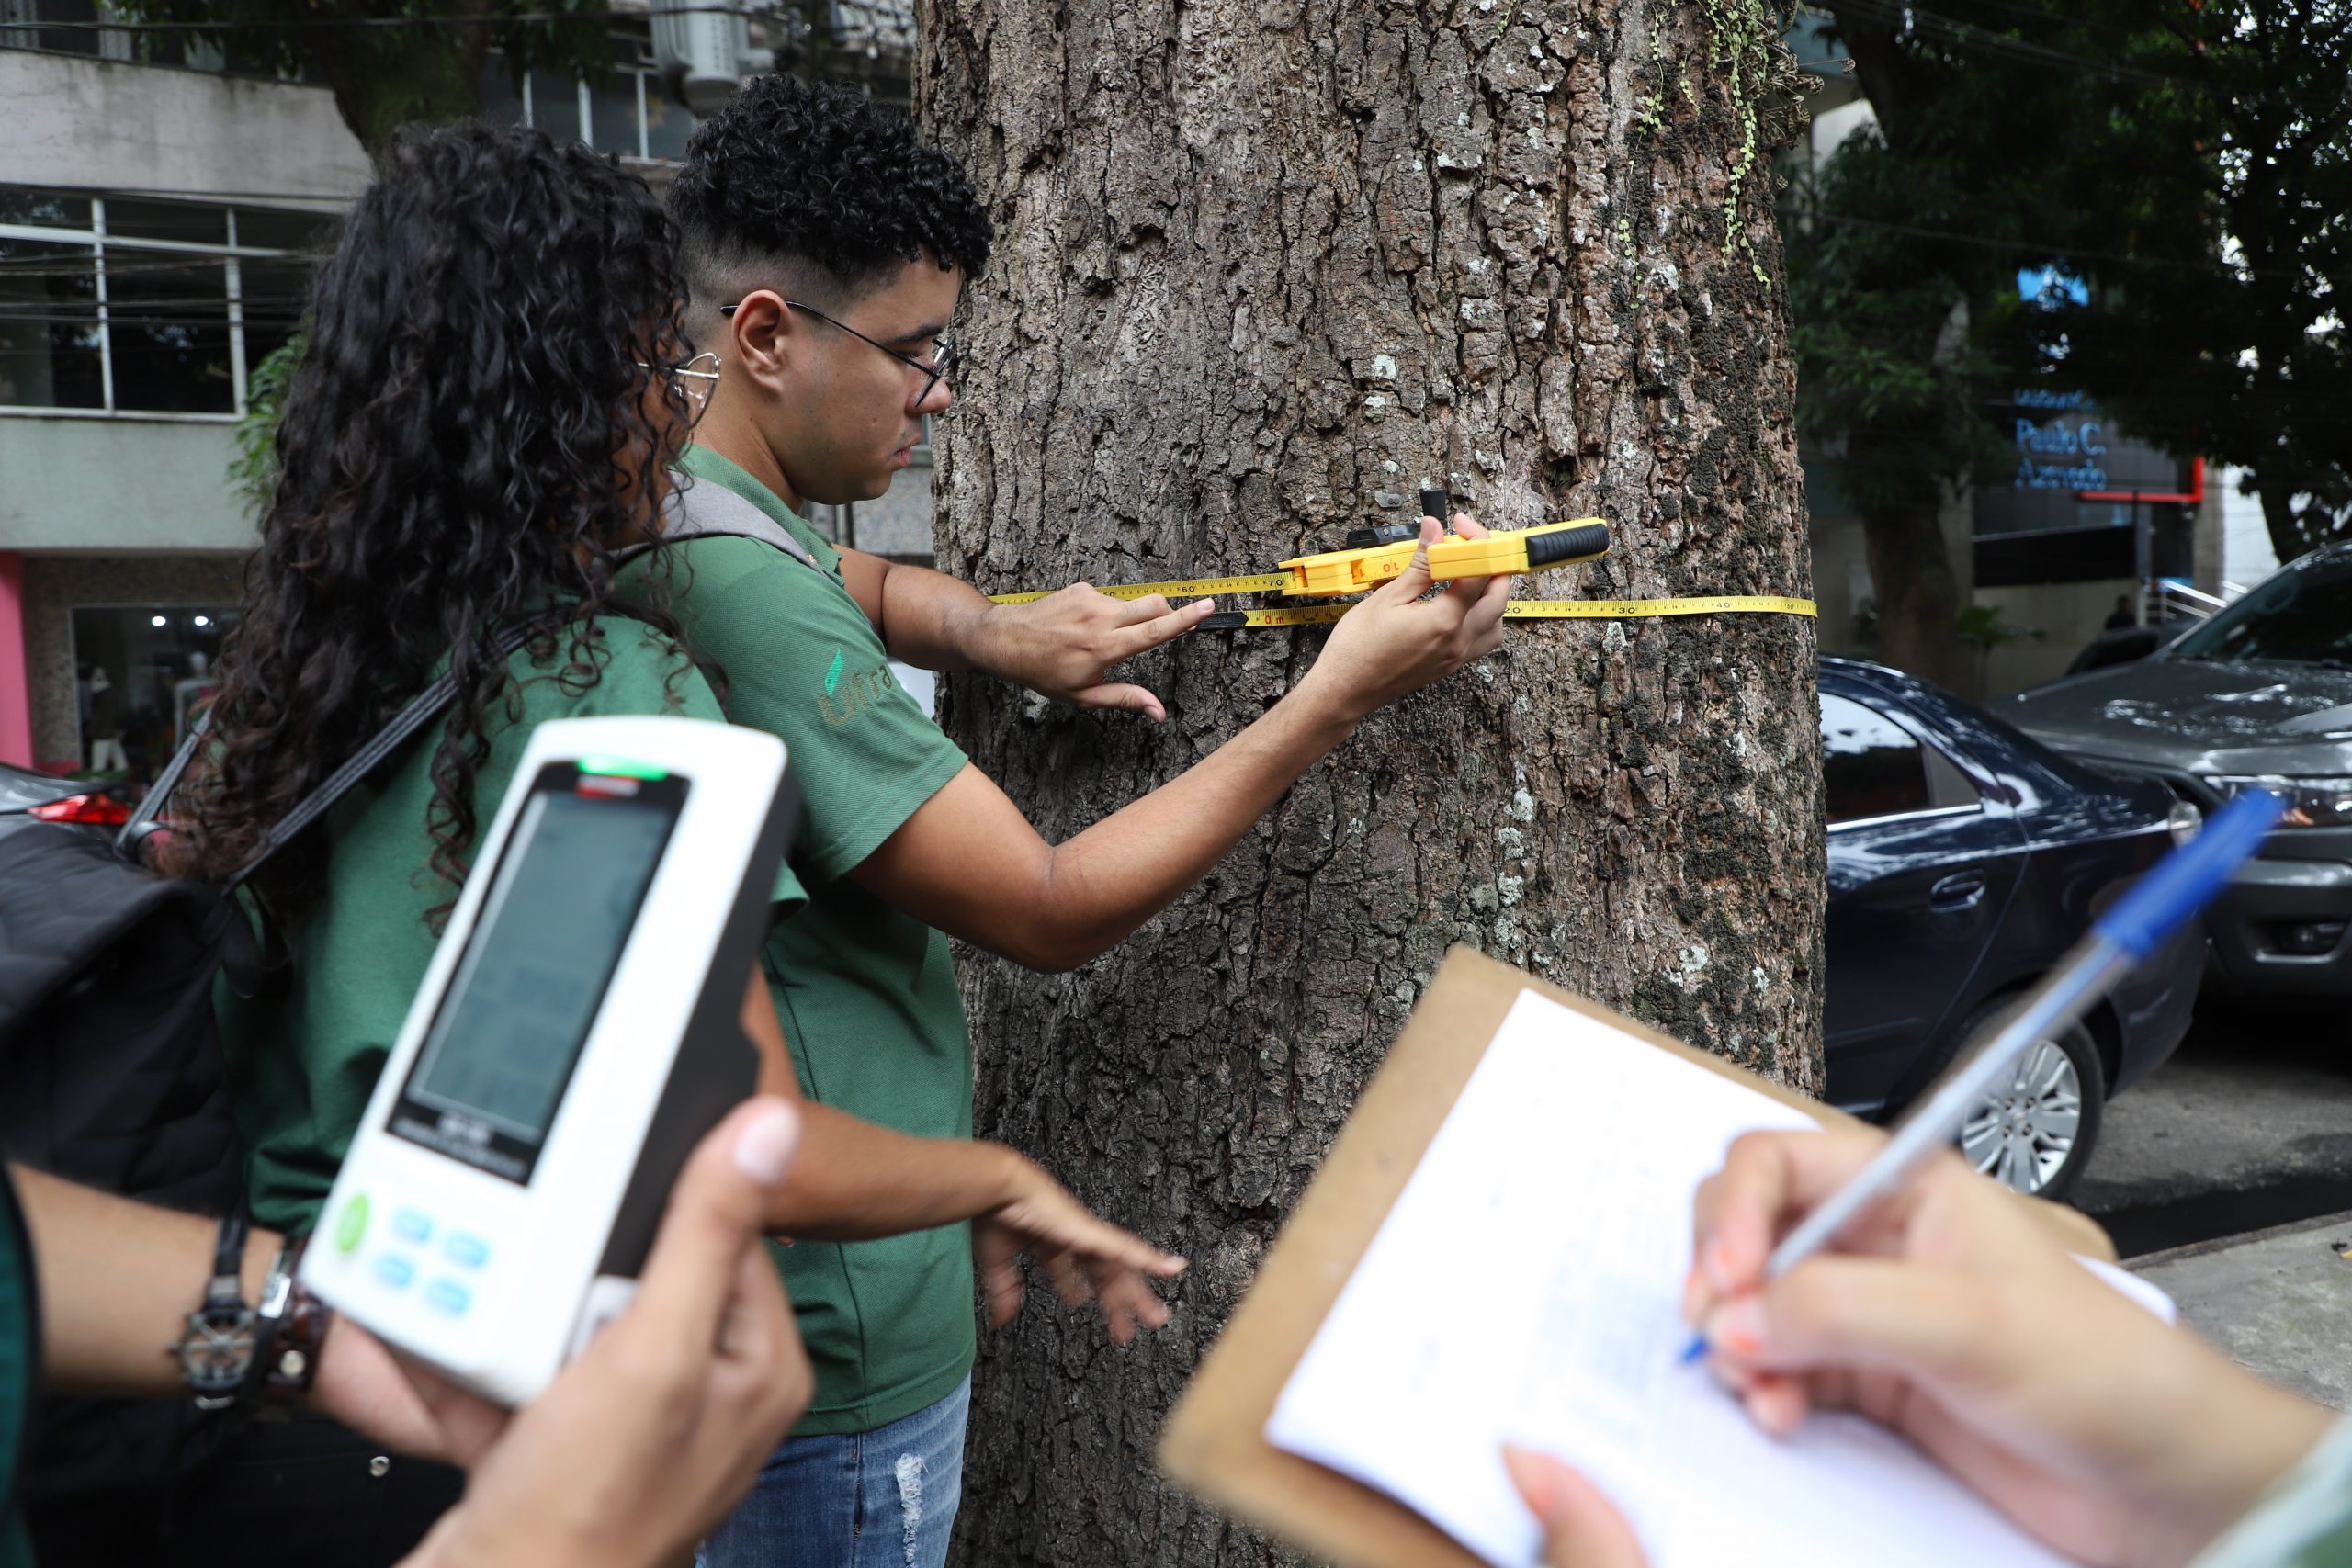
(620, 767)
(352, 1223)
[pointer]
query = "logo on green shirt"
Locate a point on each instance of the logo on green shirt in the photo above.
(846, 696)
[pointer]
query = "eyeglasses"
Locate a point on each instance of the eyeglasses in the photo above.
(932, 371)
(694, 381)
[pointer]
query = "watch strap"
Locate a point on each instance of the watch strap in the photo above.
(229, 1256)
(292, 1329)
(216, 1352)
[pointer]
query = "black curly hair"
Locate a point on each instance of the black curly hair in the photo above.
(819, 189)
(465, 446)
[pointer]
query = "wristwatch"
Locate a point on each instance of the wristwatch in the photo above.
(216, 1350)
(293, 1324)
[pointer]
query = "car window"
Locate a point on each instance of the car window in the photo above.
(1871, 765)
(1947, 784)
(2302, 614)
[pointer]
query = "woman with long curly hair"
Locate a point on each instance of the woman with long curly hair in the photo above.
(482, 429)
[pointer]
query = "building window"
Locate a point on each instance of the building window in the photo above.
(628, 114)
(79, 26)
(124, 305)
(1871, 766)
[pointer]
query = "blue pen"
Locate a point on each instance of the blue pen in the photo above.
(2183, 883)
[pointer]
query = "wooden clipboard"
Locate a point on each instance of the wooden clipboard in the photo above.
(1214, 1444)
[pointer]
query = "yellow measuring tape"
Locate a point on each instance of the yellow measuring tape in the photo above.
(1517, 609)
(1189, 588)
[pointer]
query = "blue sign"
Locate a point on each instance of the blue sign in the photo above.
(2047, 288)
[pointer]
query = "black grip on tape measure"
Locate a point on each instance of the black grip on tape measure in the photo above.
(1380, 533)
(1436, 503)
(1568, 544)
(1223, 621)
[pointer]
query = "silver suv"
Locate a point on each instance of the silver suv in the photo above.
(2259, 695)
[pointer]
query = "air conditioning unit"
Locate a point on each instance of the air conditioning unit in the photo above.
(704, 55)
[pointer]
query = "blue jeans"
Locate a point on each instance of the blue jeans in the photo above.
(880, 1499)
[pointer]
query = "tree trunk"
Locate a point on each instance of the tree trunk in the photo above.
(2288, 538)
(1918, 599)
(1263, 267)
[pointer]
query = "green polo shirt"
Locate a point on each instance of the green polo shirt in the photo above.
(866, 994)
(303, 1058)
(19, 1369)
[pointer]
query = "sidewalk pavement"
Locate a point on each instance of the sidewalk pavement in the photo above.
(2278, 1301)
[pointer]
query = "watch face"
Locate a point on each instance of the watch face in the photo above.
(217, 1348)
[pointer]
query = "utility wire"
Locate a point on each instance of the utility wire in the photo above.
(2043, 247)
(313, 24)
(1953, 30)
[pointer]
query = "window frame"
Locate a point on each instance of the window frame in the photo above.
(638, 65)
(99, 242)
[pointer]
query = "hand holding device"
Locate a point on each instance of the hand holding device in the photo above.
(578, 1030)
(1394, 641)
(646, 1441)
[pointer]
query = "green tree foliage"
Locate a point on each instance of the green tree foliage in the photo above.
(2187, 160)
(388, 65)
(1888, 378)
(2211, 194)
(253, 470)
(1904, 337)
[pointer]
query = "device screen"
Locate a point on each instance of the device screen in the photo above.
(564, 898)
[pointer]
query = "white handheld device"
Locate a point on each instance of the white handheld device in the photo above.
(577, 1031)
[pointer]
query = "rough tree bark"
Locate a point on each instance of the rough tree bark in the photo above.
(1264, 265)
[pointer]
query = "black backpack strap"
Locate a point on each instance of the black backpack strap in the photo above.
(421, 711)
(142, 820)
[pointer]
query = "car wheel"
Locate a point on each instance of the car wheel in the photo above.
(2035, 1129)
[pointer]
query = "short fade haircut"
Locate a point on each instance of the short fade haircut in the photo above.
(816, 188)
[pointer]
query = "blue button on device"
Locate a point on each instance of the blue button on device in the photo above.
(448, 1295)
(394, 1271)
(467, 1251)
(412, 1224)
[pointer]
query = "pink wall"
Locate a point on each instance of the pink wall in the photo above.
(16, 690)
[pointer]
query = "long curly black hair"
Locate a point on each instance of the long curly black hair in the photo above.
(466, 446)
(820, 175)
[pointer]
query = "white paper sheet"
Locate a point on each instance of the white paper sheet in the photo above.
(1523, 1288)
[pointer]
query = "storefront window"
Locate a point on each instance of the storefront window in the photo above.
(142, 672)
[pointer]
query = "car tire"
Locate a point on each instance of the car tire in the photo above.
(2036, 1131)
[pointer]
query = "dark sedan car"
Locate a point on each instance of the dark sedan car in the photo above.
(29, 793)
(1964, 860)
(2260, 694)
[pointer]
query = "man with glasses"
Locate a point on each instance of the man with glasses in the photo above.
(826, 249)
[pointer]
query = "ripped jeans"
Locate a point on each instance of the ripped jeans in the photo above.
(880, 1499)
